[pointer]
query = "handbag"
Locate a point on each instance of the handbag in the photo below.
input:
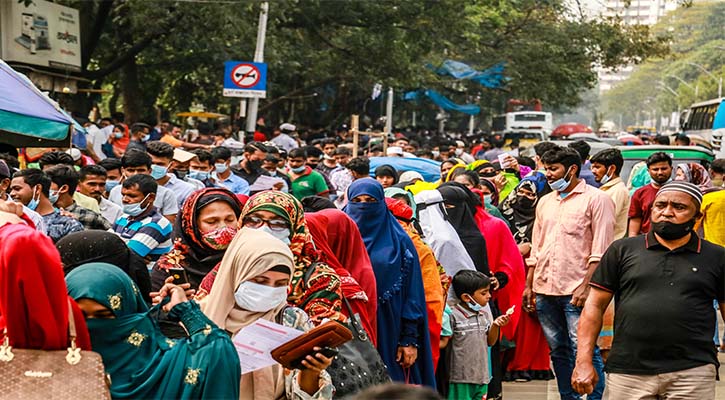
(52, 374)
(357, 365)
(329, 334)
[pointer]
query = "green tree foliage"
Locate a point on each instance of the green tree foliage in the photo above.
(324, 56)
(698, 37)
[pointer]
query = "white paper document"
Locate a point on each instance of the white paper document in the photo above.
(265, 182)
(255, 342)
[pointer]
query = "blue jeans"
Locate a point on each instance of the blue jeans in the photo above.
(559, 320)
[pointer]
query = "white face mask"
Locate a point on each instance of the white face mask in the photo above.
(606, 178)
(254, 297)
(281, 235)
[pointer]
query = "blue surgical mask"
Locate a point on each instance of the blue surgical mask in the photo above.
(487, 199)
(221, 168)
(474, 306)
(158, 172)
(282, 235)
(110, 185)
(33, 203)
(198, 175)
(146, 137)
(118, 135)
(560, 184)
(53, 196)
(135, 209)
(298, 170)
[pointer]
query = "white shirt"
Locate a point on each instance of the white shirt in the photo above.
(110, 210)
(285, 141)
(37, 220)
(97, 137)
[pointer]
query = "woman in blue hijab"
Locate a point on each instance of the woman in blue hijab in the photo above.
(403, 341)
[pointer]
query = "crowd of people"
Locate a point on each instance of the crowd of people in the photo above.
(479, 277)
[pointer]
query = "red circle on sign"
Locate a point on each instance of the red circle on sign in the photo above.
(245, 75)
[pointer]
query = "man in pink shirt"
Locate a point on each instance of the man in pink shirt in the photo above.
(574, 226)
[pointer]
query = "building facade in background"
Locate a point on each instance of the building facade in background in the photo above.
(632, 12)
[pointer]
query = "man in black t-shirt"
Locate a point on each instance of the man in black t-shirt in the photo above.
(664, 284)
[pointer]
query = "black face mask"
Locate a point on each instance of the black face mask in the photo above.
(671, 231)
(181, 174)
(254, 164)
(524, 202)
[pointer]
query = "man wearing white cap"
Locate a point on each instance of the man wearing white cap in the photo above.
(461, 152)
(281, 137)
(394, 151)
(665, 282)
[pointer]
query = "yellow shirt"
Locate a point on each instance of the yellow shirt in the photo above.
(620, 195)
(713, 220)
(171, 140)
(89, 203)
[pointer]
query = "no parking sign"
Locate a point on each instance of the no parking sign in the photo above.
(245, 79)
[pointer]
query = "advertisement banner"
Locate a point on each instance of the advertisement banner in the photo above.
(41, 33)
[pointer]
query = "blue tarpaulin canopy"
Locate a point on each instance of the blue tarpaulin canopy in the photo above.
(29, 118)
(491, 78)
(443, 102)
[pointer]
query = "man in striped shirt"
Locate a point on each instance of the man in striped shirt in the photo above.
(142, 227)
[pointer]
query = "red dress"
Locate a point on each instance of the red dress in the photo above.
(362, 301)
(532, 351)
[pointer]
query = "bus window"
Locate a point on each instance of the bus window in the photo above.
(530, 117)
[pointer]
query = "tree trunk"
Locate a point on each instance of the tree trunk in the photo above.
(113, 101)
(128, 77)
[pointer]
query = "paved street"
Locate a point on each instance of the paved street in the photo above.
(540, 390)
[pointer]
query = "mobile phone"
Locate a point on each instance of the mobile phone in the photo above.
(179, 275)
(328, 352)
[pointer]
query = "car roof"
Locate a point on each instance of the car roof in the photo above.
(642, 152)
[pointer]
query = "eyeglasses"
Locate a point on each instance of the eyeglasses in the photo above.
(273, 224)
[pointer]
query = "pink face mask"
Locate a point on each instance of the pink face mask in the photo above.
(219, 238)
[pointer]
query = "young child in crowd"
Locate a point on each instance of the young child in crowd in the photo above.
(472, 330)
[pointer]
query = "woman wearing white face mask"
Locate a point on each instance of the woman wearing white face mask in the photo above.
(314, 287)
(252, 283)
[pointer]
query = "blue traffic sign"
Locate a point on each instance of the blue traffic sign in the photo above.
(245, 79)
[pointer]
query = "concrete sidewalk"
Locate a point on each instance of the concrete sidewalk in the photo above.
(546, 390)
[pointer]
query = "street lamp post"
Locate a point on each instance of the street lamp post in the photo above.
(664, 86)
(694, 88)
(258, 57)
(711, 75)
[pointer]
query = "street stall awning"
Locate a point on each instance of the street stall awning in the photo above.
(200, 114)
(29, 118)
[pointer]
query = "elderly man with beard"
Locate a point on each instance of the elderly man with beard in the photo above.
(664, 283)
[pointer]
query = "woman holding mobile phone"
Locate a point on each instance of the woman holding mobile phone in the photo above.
(252, 283)
(205, 226)
(141, 361)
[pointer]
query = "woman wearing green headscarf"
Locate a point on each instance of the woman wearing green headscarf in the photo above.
(142, 362)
